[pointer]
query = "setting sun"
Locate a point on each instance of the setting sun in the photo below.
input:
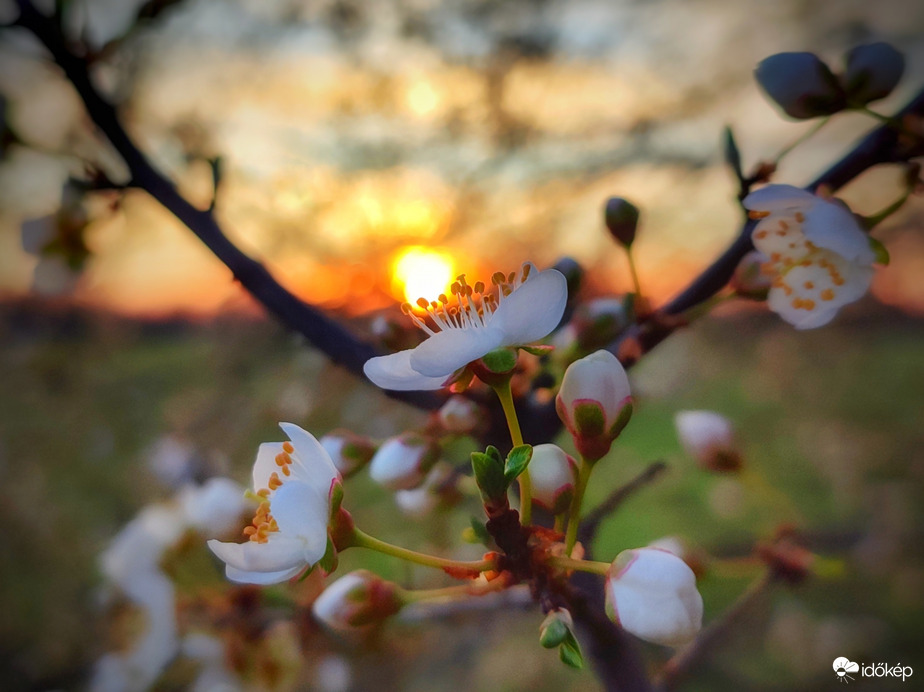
(422, 272)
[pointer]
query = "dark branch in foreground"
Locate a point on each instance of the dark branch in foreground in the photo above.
(324, 333)
(591, 523)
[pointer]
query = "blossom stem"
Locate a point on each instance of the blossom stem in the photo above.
(453, 592)
(580, 565)
(364, 540)
(516, 437)
(637, 285)
(888, 120)
(800, 139)
(574, 514)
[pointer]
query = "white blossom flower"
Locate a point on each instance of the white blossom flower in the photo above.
(290, 529)
(526, 307)
(820, 257)
(594, 402)
(402, 462)
(552, 475)
(709, 437)
(652, 594)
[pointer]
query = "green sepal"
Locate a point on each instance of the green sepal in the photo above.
(307, 573)
(500, 361)
(329, 560)
(539, 349)
(488, 468)
(731, 153)
(480, 531)
(336, 499)
(622, 420)
(517, 461)
(570, 652)
(589, 419)
(880, 251)
(462, 381)
(553, 631)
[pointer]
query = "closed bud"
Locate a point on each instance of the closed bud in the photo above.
(621, 217)
(801, 84)
(594, 403)
(709, 437)
(459, 415)
(553, 475)
(652, 594)
(356, 602)
(402, 462)
(749, 280)
(424, 499)
(872, 71)
(555, 628)
(349, 451)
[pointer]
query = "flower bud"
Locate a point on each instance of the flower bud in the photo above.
(422, 500)
(555, 628)
(459, 415)
(801, 84)
(749, 280)
(355, 602)
(553, 475)
(872, 71)
(652, 594)
(402, 462)
(709, 437)
(621, 217)
(599, 321)
(349, 451)
(594, 403)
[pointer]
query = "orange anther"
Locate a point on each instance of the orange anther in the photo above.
(422, 303)
(282, 459)
(800, 217)
(274, 481)
(479, 287)
(760, 235)
(288, 447)
(808, 304)
(758, 214)
(827, 294)
(809, 285)
(286, 471)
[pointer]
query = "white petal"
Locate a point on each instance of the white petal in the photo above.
(302, 510)
(831, 226)
(550, 471)
(244, 577)
(782, 304)
(779, 197)
(311, 455)
(265, 464)
(780, 237)
(533, 310)
(395, 372)
(278, 553)
(447, 351)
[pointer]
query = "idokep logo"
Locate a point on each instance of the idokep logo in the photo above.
(843, 667)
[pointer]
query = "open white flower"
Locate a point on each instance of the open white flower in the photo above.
(290, 529)
(526, 307)
(652, 594)
(819, 256)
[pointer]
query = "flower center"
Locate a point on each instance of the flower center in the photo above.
(470, 307)
(263, 522)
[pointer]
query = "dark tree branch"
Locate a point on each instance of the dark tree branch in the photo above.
(591, 523)
(324, 333)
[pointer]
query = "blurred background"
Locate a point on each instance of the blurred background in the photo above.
(370, 152)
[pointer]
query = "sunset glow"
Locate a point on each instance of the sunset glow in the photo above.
(422, 272)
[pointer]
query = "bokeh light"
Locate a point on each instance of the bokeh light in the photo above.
(422, 272)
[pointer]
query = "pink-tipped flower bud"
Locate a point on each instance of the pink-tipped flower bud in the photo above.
(872, 71)
(459, 415)
(801, 84)
(710, 438)
(553, 475)
(436, 490)
(652, 594)
(349, 451)
(595, 403)
(356, 602)
(402, 462)
(621, 217)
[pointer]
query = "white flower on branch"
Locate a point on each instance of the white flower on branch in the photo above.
(819, 256)
(525, 308)
(296, 480)
(652, 594)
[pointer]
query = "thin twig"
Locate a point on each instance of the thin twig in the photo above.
(686, 659)
(591, 523)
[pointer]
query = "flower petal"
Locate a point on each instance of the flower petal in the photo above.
(311, 456)
(265, 464)
(445, 352)
(831, 226)
(395, 372)
(778, 198)
(244, 577)
(278, 553)
(533, 310)
(301, 510)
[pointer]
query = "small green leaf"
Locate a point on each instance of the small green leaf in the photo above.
(732, 155)
(480, 531)
(488, 468)
(517, 461)
(538, 349)
(500, 361)
(880, 251)
(336, 499)
(570, 652)
(554, 630)
(329, 560)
